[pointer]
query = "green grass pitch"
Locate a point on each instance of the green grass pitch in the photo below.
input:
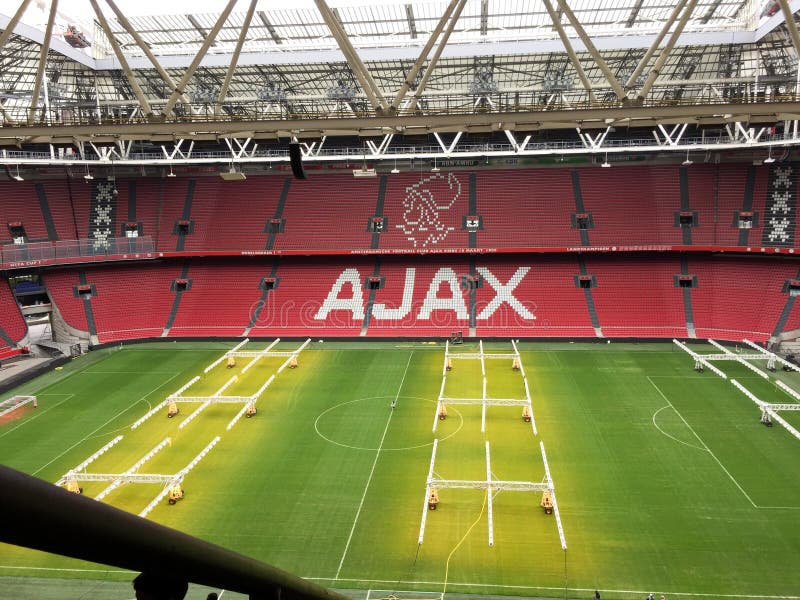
(665, 479)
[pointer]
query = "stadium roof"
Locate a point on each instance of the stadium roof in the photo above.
(257, 70)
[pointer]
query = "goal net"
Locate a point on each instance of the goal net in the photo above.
(15, 402)
(403, 595)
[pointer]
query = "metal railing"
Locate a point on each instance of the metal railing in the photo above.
(36, 514)
(123, 248)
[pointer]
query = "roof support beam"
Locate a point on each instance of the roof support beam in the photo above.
(791, 25)
(662, 58)
(656, 43)
(123, 20)
(270, 28)
(634, 13)
(37, 86)
(586, 118)
(6, 33)
(590, 47)
(423, 55)
(223, 90)
(438, 52)
(181, 88)
(6, 117)
(196, 25)
(484, 16)
(710, 12)
(412, 24)
(137, 89)
(361, 72)
(570, 50)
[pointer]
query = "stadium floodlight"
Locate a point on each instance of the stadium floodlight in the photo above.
(17, 177)
(364, 171)
(606, 164)
(395, 170)
(341, 92)
(688, 161)
(272, 93)
(769, 158)
(557, 83)
(484, 83)
(170, 174)
(88, 176)
(435, 169)
(232, 174)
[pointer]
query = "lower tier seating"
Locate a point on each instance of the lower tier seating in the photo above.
(12, 323)
(515, 295)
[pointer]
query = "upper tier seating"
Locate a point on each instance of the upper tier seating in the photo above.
(627, 205)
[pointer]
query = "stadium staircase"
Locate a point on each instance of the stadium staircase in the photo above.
(275, 226)
(587, 292)
(178, 286)
(267, 285)
(219, 300)
(687, 299)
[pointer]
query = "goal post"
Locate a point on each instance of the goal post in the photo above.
(15, 402)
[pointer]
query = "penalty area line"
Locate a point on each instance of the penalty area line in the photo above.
(39, 413)
(116, 416)
(64, 570)
(372, 470)
(501, 587)
(705, 446)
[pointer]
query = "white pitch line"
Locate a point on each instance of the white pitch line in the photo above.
(88, 435)
(372, 470)
(557, 589)
(672, 437)
(705, 446)
(58, 569)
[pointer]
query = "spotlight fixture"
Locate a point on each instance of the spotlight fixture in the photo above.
(88, 176)
(170, 174)
(17, 177)
(688, 161)
(769, 158)
(435, 169)
(395, 170)
(606, 164)
(364, 171)
(232, 174)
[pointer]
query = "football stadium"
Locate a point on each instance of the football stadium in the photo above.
(464, 299)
